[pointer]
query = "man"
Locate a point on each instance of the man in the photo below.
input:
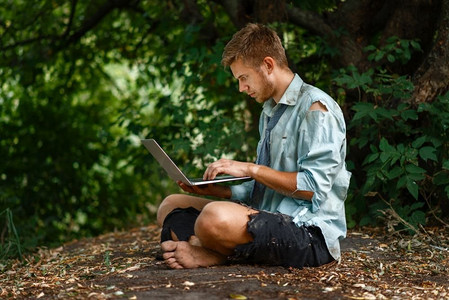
(292, 212)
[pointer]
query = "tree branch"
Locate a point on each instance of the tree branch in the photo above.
(72, 15)
(235, 11)
(65, 39)
(95, 19)
(28, 41)
(310, 21)
(349, 51)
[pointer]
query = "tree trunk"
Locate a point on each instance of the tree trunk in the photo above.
(432, 77)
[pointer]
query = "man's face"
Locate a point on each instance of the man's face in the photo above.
(253, 82)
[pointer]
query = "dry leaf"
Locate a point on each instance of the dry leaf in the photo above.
(238, 296)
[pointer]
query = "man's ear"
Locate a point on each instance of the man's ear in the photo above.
(269, 64)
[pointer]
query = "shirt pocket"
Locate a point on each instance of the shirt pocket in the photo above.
(285, 156)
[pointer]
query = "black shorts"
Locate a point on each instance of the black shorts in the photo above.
(279, 241)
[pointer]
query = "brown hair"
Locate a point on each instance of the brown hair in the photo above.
(252, 44)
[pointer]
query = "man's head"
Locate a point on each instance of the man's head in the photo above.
(258, 61)
(252, 44)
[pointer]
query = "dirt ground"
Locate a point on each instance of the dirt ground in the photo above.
(123, 265)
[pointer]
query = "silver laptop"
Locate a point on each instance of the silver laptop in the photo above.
(174, 172)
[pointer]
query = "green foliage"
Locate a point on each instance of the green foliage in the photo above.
(9, 239)
(73, 110)
(414, 215)
(400, 152)
(66, 171)
(107, 258)
(62, 170)
(308, 52)
(395, 49)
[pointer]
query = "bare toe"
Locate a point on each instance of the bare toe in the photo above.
(167, 255)
(173, 263)
(169, 246)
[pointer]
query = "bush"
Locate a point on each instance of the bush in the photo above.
(398, 152)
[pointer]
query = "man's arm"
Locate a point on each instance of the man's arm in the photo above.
(282, 182)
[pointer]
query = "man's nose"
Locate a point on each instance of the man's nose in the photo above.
(242, 87)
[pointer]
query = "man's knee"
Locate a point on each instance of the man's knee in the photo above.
(215, 219)
(221, 226)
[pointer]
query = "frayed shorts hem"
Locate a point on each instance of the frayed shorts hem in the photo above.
(279, 241)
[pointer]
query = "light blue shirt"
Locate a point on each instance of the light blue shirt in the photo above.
(313, 144)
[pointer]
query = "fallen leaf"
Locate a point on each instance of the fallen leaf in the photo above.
(188, 283)
(238, 296)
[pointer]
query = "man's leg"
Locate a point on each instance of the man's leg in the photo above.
(177, 215)
(220, 227)
(179, 201)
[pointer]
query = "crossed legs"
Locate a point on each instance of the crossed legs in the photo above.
(219, 228)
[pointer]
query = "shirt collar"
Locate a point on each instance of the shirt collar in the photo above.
(290, 96)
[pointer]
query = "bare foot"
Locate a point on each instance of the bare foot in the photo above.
(180, 255)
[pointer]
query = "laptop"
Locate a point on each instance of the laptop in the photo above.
(174, 172)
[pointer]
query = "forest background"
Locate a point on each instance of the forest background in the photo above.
(81, 82)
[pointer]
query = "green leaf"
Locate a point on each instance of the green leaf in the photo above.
(401, 182)
(388, 152)
(446, 164)
(362, 142)
(385, 146)
(391, 58)
(416, 205)
(441, 178)
(362, 110)
(381, 175)
(418, 217)
(396, 172)
(414, 169)
(373, 148)
(386, 113)
(369, 48)
(409, 115)
(419, 142)
(370, 158)
(427, 153)
(416, 176)
(412, 187)
(415, 45)
(379, 55)
(385, 156)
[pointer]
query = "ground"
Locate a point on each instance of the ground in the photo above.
(124, 265)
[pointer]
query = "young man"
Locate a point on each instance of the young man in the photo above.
(292, 212)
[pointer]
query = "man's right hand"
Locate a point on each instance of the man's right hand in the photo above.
(214, 190)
